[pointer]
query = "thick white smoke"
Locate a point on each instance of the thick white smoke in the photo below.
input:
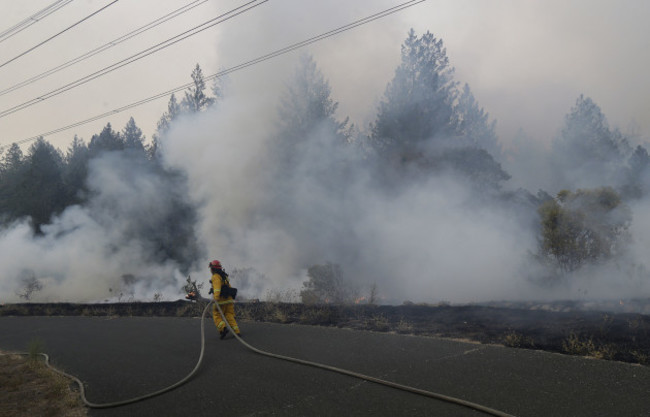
(428, 242)
(90, 254)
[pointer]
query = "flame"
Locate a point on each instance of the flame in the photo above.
(360, 300)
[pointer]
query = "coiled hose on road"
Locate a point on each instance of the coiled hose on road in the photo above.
(406, 388)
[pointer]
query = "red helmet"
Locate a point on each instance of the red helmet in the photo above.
(215, 265)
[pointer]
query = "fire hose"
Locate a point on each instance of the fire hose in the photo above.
(434, 395)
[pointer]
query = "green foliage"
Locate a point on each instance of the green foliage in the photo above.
(586, 226)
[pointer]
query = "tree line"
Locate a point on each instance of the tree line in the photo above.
(427, 124)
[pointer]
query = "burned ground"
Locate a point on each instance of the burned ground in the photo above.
(560, 327)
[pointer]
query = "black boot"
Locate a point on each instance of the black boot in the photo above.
(223, 333)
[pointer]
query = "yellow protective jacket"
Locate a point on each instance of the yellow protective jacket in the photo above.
(217, 283)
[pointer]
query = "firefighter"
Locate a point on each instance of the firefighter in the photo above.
(223, 294)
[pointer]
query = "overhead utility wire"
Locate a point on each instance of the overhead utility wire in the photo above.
(106, 46)
(142, 54)
(232, 69)
(317, 38)
(63, 31)
(35, 18)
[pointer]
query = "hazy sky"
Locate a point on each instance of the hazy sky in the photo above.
(526, 61)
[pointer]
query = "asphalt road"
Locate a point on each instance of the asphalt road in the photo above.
(121, 358)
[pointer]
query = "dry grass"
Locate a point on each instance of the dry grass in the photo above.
(518, 340)
(29, 388)
(576, 345)
(404, 326)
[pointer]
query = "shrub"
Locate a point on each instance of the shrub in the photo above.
(326, 286)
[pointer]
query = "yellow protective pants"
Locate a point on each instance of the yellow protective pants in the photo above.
(228, 308)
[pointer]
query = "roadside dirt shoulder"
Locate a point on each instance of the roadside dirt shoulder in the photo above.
(30, 389)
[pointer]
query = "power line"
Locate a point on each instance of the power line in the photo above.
(106, 46)
(317, 38)
(63, 31)
(136, 57)
(260, 59)
(35, 18)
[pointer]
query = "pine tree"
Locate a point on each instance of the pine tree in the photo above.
(173, 111)
(12, 159)
(43, 184)
(195, 99)
(12, 168)
(76, 170)
(306, 113)
(133, 139)
(418, 104)
(587, 153)
(218, 88)
(107, 140)
(474, 125)
(637, 174)
(165, 122)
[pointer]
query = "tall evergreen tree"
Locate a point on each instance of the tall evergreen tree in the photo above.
(76, 170)
(43, 183)
(587, 132)
(218, 88)
(195, 99)
(12, 168)
(133, 138)
(423, 126)
(587, 153)
(307, 151)
(12, 159)
(637, 174)
(418, 104)
(474, 125)
(307, 113)
(107, 140)
(173, 111)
